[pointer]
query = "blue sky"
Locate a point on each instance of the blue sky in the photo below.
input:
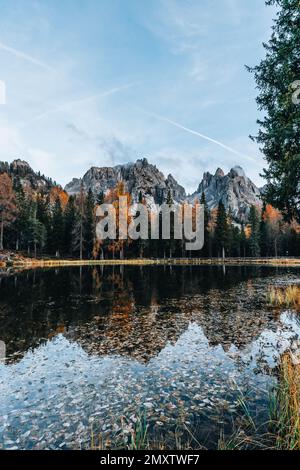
(102, 82)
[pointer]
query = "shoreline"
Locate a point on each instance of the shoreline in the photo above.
(32, 264)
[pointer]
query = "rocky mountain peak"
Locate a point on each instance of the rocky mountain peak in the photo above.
(142, 162)
(178, 191)
(18, 163)
(220, 173)
(139, 177)
(237, 171)
(31, 181)
(237, 192)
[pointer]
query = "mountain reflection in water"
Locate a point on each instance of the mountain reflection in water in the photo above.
(89, 346)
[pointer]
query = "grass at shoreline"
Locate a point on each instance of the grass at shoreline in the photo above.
(284, 296)
(37, 263)
(285, 405)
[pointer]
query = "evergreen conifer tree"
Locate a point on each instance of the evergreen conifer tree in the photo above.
(277, 78)
(222, 230)
(254, 240)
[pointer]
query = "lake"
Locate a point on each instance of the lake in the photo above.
(93, 353)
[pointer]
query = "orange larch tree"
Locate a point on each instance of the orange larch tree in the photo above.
(7, 204)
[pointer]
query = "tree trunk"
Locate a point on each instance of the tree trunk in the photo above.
(81, 239)
(223, 252)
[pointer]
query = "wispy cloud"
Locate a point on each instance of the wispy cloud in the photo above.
(202, 136)
(77, 102)
(185, 54)
(24, 56)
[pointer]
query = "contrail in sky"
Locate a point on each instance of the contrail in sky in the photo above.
(69, 104)
(198, 134)
(22, 55)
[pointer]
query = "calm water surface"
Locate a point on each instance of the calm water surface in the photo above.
(91, 350)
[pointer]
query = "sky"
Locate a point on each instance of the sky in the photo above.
(105, 82)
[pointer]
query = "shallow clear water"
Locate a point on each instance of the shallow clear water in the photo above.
(90, 350)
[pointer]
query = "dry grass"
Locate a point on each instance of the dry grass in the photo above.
(285, 407)
(49, 263)
(284, 296)
(136, 436)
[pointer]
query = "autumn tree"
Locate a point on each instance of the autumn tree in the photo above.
(112, 197)
(7, 204)
(273, 224)
(58, 192)
(57, 232)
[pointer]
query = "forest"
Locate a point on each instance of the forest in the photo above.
(54, 224)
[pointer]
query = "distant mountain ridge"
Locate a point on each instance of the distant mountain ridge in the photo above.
(237, 192)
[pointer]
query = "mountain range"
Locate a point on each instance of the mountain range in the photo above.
(237, 192)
